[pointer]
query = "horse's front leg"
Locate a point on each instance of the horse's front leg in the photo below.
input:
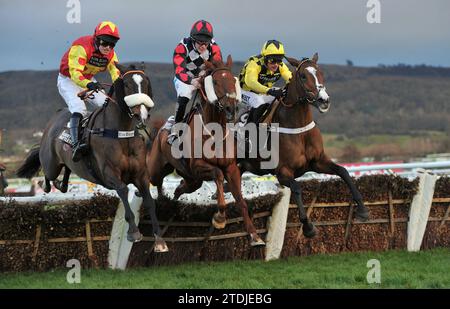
(205, 171)
(325, 165)
(149, 205)
(286, 178)
(112, 180)
(233, 177)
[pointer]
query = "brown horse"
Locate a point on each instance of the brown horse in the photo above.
(300, 142)
(117, 155)
(218, 107)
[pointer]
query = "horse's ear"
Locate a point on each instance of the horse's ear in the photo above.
(292, 61)
(315, 58)
(143, 66)
(121, 68)
(229, 61)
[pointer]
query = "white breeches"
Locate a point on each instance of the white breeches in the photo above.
(69, 91)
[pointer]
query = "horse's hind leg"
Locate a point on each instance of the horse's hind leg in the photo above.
(325, 165)
(64, 184)
(186, 187)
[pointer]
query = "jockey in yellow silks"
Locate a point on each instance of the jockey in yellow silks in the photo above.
(259, 74)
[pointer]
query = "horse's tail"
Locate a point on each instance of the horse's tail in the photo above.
(31, 166)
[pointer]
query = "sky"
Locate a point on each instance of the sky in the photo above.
(35, 34)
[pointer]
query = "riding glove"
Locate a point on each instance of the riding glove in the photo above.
(277, 93)
(94, 86)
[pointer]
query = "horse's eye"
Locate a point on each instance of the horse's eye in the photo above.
(303, 77)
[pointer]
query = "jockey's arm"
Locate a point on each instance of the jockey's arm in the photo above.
(77, 62)
(112, 69)
(216, 53)
(251, 78)
(285, 72)
(179, 64)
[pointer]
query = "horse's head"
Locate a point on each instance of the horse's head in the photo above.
(134, 89)
(222, 88)
(308, 83)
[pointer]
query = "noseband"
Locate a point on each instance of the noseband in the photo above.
(218, 103)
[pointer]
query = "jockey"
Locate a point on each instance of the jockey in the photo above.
(259, 74)
(189, 63)
(87, 56)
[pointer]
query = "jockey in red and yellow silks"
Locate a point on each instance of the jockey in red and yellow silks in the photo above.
(87, 56)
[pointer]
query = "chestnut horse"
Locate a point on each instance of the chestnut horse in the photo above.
(300, 142)
(218, 106)
(117, 153)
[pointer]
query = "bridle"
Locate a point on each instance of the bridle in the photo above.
(218, 104)
(309, 96)
(85, 94)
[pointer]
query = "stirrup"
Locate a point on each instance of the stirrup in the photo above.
(171, 138)
(78, 151)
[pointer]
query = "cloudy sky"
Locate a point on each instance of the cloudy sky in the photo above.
(35, 34)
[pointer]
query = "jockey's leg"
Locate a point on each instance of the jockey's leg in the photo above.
(77, 148)
(69, 91)
(184, 94)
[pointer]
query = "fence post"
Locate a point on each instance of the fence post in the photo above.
(420, 209)
(276, 226)
(119, 246)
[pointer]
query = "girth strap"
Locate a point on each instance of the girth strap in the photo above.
(114, 133)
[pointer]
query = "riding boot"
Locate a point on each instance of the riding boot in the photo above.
(257, 113)
(78, 149)
(179, 115)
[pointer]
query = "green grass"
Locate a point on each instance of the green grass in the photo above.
(399, 269)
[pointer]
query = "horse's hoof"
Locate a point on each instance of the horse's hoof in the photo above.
(134, 237)
(160, 246)
(309, 231)
(219, 225)
(362, 215)
(257, 241)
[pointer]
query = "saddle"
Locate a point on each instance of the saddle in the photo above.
(65, 134)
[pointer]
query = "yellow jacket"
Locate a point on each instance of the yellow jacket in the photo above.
(256, 77)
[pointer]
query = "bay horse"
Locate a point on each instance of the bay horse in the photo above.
(117, 155)
(300, 141)
(217, 106)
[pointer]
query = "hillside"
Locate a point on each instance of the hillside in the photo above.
(382, 100)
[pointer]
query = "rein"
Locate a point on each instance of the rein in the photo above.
(218, 104)
(306, 98)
